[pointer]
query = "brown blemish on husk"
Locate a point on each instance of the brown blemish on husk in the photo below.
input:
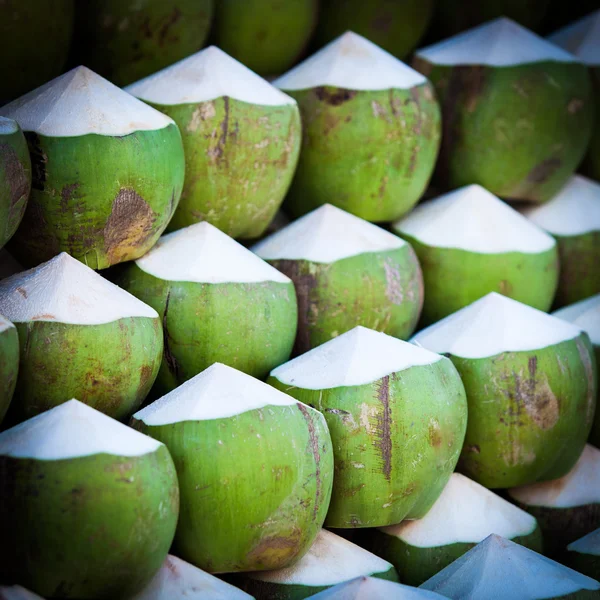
(275, 551)
(217, 151)
(544, 170)
(18, 183)
(130, 224)
(384, 426)
(575, 105)
(313, 446)
(393, 282)
(39, 160)
(435, 434)
(334, 98)
(170, 359)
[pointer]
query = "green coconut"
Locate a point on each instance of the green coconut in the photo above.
(531, 388)
(517, 110)
(89, 506)
(107, 171)
(572, 217)
(268, 36)
(395, 25)
(241, 137)
(397, 416)
(9, 363)
(470, 243)
(255, 470)
(566, 508)
(581, 40)
(331, 560)
(370, 588)
(499, 568)
(464, 515)
(218, 302)
(8, 265)
(586, 314)
(16, 592)
(79, 336)
(177, 580)
(125, 40)
(15, 178)
(347, 272)
(453, 16)
(34, 41)
(583, 555)
(371, 131)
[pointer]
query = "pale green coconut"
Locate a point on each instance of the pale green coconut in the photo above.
(370, 588)
(9, 363)
(517, 110)
(395, 25)
(371, 131)
(583, 555)
(566, 508)
(34, 41)
(125, 40)
(89, 506)
(179, 580)
(581, 40)
(347, 272)
(498, 568)
(79, 336)
(464, 515)
(470, 243)
(8, 265)
(572, 217)
(255, 470)
(586, 314)
(268, 36)
(331, 560)
(397, 416)
(531, 388)
(16, 592)
(107, 171)
(241, 137)
(217, 301)
(15, 178)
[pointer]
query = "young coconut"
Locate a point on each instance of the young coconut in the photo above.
(583, 555)
(15, 178)
(96, 500)
(531, 387)
(197, 279)
(241, 138)
(499, 568)
(178, 580)
(572, 217)
(107, 171)
(586, 314)
(464, 515)
(347, 272)
(470, 243)
(255, 470)
(331, 560)
(370, 588)
(517, 110)
(16, 592)
(9, 363)
(34, 41)
(395, 26)
(397, 416)
(125, 40)
(566, 508)
(581, 40)
(266, 35)
(82, 336)
(371, 131)
(8, 265)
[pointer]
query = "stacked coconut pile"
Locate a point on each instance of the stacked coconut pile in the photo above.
(184, 416)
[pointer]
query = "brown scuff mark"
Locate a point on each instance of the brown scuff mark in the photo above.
(435, 434)
(586, 359)
(217, 152)
(384, 426)
(15, 174)
(130, 224)
(284, 548)
(505, 287)
(145, 377)
(542, 172)
(574, 106)
(172, 364)
(164, 30)
(314, 447)
(67, 195)
(393, 282)
(475, 449)
(335, 98)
